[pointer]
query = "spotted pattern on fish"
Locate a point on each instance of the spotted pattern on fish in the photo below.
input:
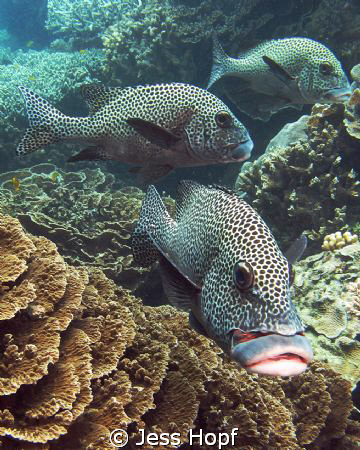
(315, 67)
(203, 129)
(213, 230)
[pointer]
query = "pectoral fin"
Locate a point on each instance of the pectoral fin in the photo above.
(154, 133)
(278, 71)
(90, 153)
(180, 291)
(196, 325)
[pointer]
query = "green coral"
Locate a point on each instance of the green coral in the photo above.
(324, 292)
(312, 184)
(87, 214)
(51, 74)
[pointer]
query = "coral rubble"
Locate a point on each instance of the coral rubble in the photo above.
(90, 358)
(311, 186)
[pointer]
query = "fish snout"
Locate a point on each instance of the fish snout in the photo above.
(338, 95)
(271, 354)
(240, 151)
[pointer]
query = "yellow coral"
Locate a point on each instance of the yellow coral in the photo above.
(88, 358)
(338, 240)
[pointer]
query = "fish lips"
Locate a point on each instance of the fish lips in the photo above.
(337, 95)
(240, 151)
(271, 354)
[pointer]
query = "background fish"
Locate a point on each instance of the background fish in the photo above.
(219, 260)
(281, 73)
(159, 127)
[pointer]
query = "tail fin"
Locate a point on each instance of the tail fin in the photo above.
(219, 62)
(149, 237)
(42, 119)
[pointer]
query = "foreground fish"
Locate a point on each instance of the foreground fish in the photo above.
(219, 260)
(158, 127)
(280, 73)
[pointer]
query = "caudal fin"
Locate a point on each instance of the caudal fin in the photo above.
(150, 234)
(43, 118)
(219, 62)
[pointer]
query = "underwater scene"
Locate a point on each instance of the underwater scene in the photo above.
(179, 224)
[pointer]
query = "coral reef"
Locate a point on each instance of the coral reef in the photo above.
(158, 40)
(353, 303)
(326, 290)
(90, 358)
(88, 215)
(352, 114)
(53, 75)
(86, 17)
(339, 240)
(312, 184)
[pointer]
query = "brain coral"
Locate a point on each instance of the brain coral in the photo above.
(84, 357)
(87, 214)
(326, 288)
(312, 185)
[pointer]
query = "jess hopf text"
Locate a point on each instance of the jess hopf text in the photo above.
(218, 440)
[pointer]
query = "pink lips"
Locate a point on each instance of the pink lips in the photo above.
(271, 354)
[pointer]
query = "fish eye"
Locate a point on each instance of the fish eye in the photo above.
(326, 68)
(224, 119)
(243, 276)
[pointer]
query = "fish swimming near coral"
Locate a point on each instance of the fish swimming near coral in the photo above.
(219, 260)
(280, 73)
(157, 127)
(16, 183)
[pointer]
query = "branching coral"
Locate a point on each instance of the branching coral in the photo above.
(97, 360)
(154, 42)
(86, 17)
(310, 186)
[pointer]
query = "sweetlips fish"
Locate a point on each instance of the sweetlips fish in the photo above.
(219, 261)
(157, 127)
(280, 73)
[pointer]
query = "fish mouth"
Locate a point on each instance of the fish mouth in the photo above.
(337, 95)
(240, 151)
(271, 354)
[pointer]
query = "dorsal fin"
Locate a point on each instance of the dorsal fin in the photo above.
(97, 96)
(184, 192)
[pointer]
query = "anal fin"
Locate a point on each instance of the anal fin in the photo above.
(90, 154)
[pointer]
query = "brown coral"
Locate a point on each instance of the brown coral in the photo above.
(312, 185)
(89, 358)
(86, 214)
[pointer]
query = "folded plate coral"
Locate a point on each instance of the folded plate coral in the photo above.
(87, 214)
(83, 357)
(310, 186)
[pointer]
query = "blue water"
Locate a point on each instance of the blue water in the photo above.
(53, 47)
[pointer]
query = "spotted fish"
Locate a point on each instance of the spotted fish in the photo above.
(280, 73)
(219, 260)
(157, 127)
